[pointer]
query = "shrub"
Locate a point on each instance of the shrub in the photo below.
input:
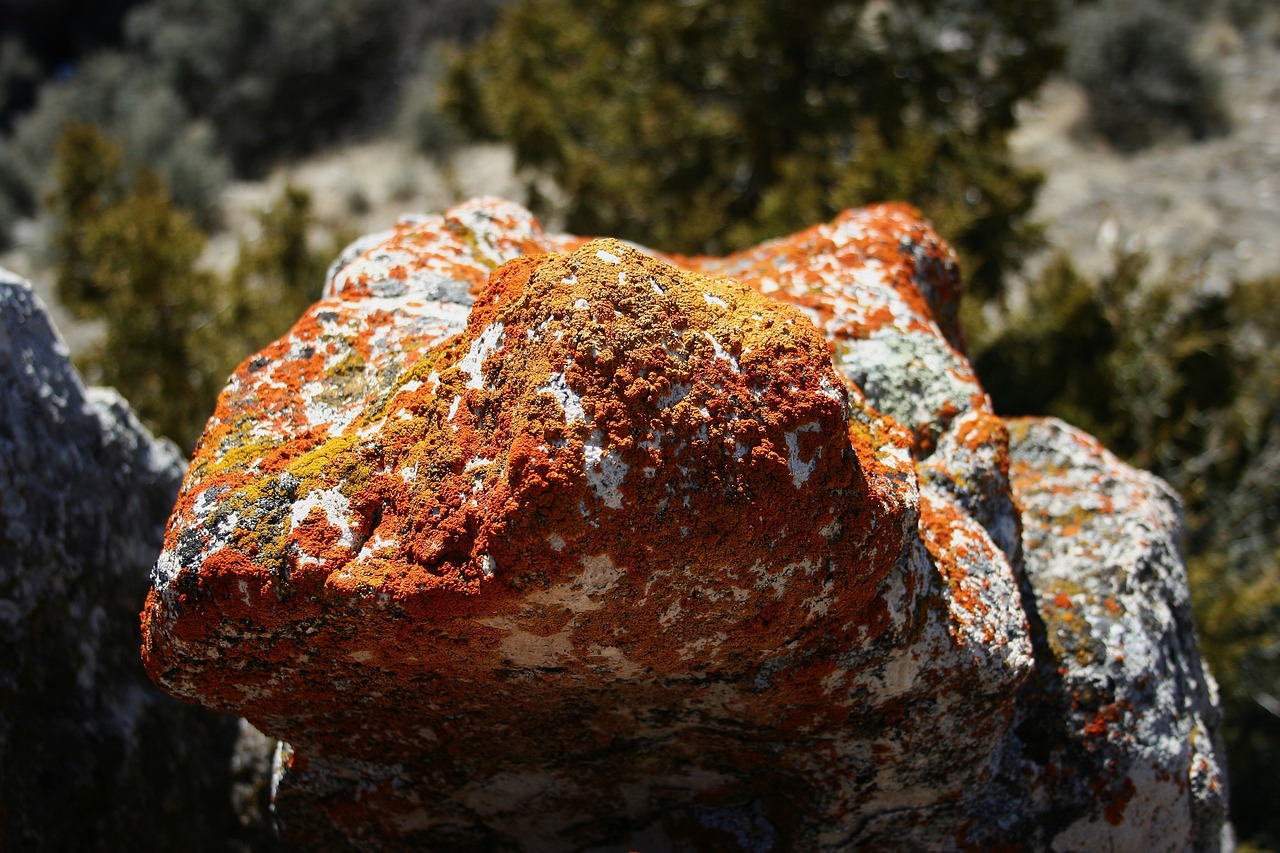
(1055, 358)
(278, 275)
(276, 79)
(1232, 484)
(1134, 61)
(280, 78)
(126, 255)
(152, 126)
(208, 83)
(706, 126)
(88, 173)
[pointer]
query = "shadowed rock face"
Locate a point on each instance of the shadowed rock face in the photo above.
(92, 756)
(522, 541)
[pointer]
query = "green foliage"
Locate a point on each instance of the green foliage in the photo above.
(173, 331)
(151, 124)
(277, 276)
(129, 257)
(704, 126)
(1188, 385)
(1134, 60)
(280, 78)
(88, 173)
(145, 254)
(1054, 357)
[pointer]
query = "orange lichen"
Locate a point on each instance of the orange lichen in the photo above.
(1115, 805)
(587, 528)
(694, 387)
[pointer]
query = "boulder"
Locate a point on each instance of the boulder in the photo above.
(92, 755)
(521, 541)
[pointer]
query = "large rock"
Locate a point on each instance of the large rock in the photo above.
(521, 541)
(92, 755)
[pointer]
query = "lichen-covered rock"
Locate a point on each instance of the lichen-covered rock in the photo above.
(1120, 705)
(522, 541)
(92, 755)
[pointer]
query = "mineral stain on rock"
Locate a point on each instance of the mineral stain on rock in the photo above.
(523, 541)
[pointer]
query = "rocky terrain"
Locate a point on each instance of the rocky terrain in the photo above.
(92, 755)
(1046, 621)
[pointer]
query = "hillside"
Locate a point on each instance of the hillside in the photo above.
(1213, 204)
(1207, 209)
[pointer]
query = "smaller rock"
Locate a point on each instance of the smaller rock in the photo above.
(92, 756)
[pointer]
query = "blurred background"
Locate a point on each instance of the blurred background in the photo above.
(175, 175)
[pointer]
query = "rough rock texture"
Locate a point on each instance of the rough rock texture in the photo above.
(92, 755)
(522, 541)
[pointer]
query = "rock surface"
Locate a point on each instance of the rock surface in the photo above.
(522, 541)
(92, 755)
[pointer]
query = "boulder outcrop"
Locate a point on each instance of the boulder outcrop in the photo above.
(529, 541)
(92, 755)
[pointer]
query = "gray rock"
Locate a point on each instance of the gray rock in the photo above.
(92, 756)
(1116, 739)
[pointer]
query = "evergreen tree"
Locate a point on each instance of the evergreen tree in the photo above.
(706, 126)
(173, 331)
(88, 172)
(128, 257)
(144, 253)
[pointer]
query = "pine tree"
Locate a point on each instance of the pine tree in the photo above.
(703, 126)
(173, 331)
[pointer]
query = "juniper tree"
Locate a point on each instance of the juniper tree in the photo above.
(128, 257)
(173, 331)
(705, 126)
